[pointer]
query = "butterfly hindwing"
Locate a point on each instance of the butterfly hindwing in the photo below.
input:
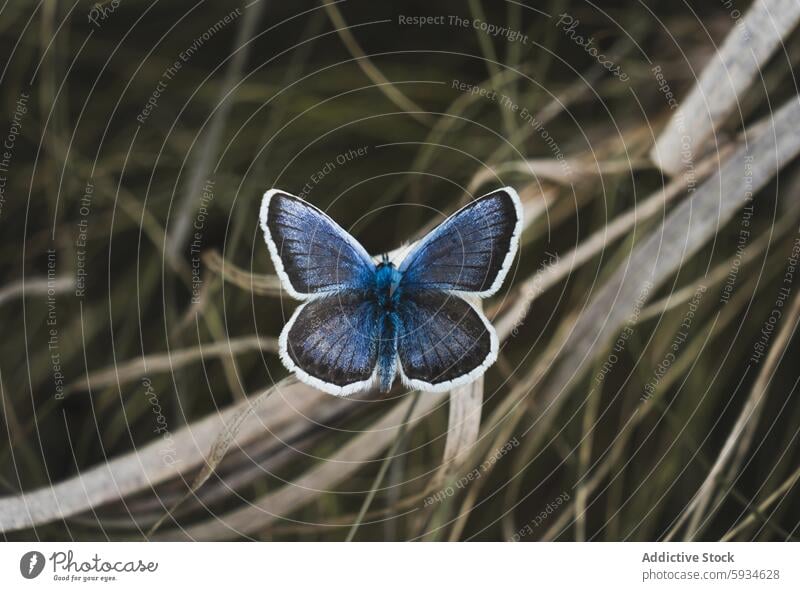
(332, 342)
(442, 340)
(312, 254)
(471, 251)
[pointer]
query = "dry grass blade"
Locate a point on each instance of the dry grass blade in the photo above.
(564, 172)
(584, 459)
(164, 362)
(267, 285)
(35, 286)
(722, 84)
(463, 425)
(784, 488)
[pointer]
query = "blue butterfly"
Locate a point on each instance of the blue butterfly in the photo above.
(365, 320)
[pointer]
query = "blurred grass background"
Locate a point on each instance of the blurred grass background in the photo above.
(298, 99)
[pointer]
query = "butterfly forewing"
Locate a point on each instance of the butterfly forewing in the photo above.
(312, 254)
(471, 251)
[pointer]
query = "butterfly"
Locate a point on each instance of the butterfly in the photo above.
(364, 320)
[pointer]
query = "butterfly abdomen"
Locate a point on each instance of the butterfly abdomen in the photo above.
(387, 350)
(387, 294)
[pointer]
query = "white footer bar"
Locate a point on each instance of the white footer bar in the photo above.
(398, 566)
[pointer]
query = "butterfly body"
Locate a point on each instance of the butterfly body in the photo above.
(387, 283)
(363, 322)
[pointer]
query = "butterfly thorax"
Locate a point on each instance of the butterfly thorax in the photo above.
(387, 281)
